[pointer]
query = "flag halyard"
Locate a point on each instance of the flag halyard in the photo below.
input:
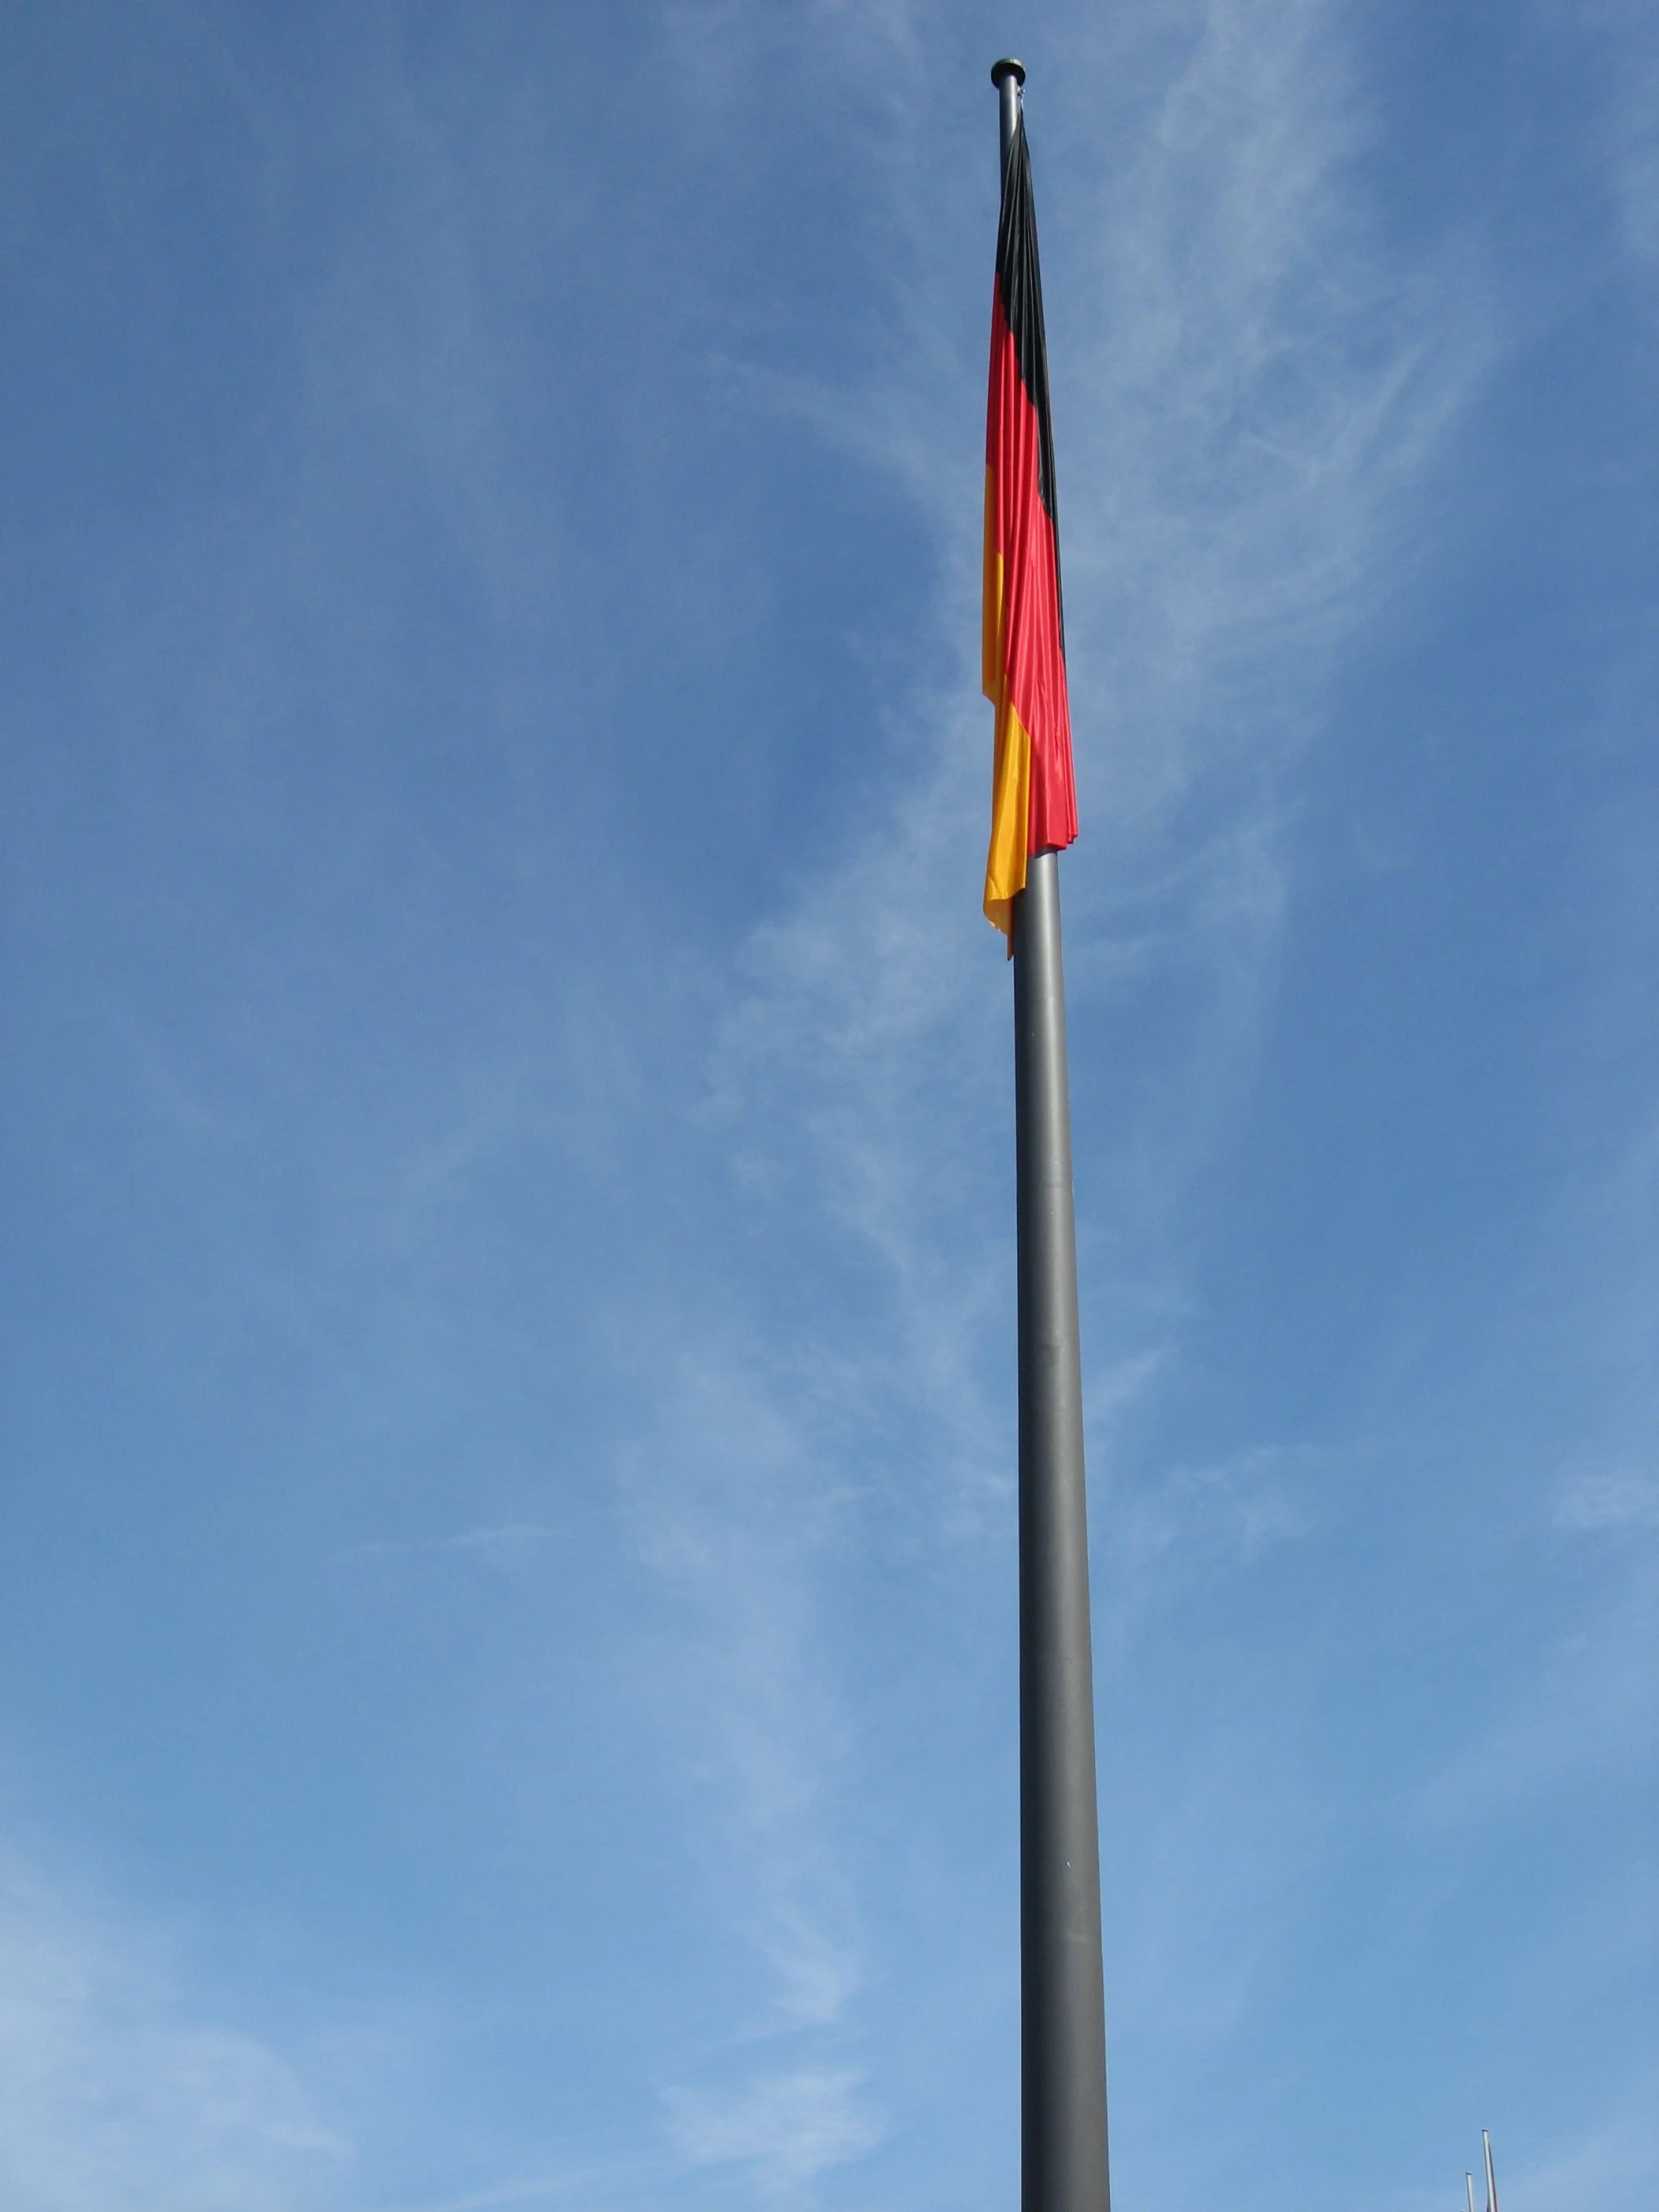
(1033, 793)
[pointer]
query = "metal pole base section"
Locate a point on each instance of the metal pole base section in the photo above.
(1062, 2005)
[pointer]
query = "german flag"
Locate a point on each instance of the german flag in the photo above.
(1033, 798)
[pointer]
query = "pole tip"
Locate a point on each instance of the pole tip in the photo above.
(1002, 68)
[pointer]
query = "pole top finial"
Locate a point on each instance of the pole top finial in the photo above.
(1002, 68)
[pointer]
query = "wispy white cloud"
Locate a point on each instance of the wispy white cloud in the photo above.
(1231, 1511)
(1626, 139)
(626, 2181)
(1586, 1717)
(1616, 2166)
(1595, 1501)
(787, 2129)
(510, 1546)
(117, 2092)
(734, 1513)
(731, 1510)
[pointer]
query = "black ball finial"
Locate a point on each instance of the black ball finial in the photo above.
(1002, 68)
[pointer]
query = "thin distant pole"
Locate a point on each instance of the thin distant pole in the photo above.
(1062, 2005)
(1469, 2183)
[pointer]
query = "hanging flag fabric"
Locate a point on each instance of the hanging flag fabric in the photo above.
(1033, 797)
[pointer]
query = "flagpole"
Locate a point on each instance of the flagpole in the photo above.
(1491, 2179)
(1062, 2005)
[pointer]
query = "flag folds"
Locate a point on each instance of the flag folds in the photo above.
(1034, 798)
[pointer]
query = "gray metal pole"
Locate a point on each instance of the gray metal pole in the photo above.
(1062, 2005)
(1491, 2178)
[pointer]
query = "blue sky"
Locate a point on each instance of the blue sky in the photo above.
(507, 1632)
